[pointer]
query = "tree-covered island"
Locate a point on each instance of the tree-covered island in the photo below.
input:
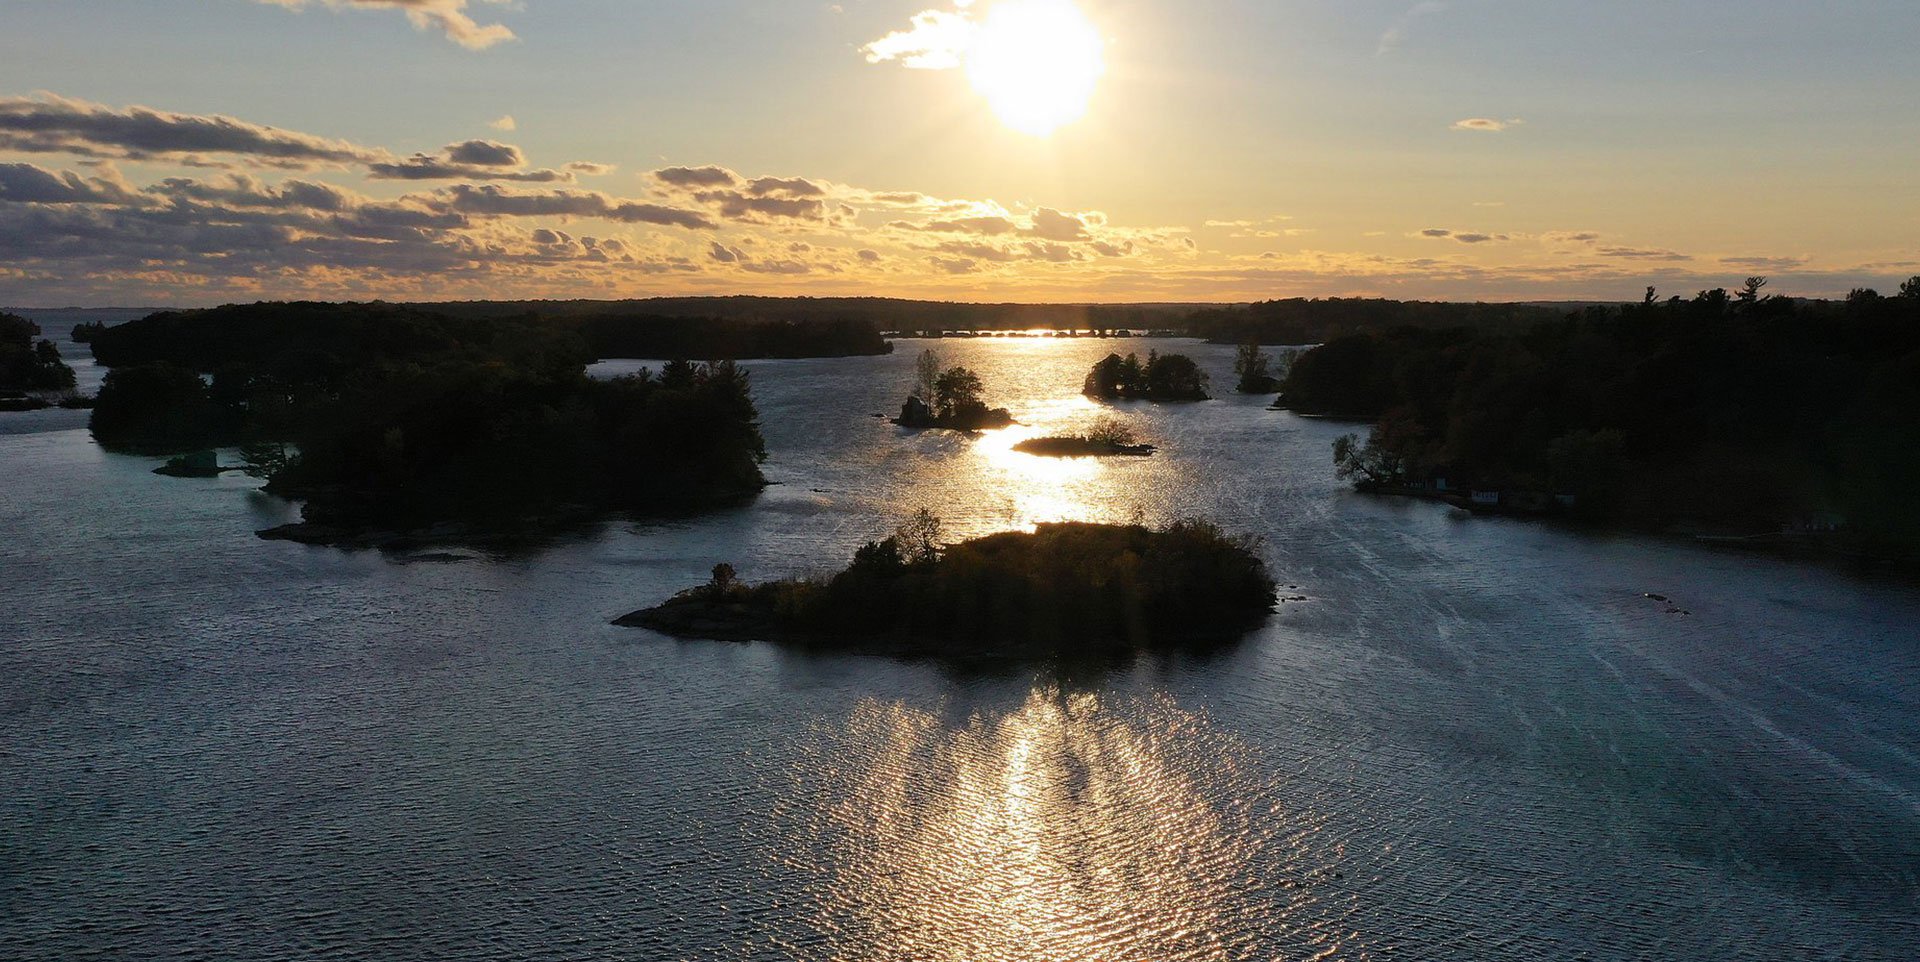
(1062, 590)
(394, 425)
(29, 368)
(1162, 377)
(948, 398)
(1107, 437)
(1740, 416)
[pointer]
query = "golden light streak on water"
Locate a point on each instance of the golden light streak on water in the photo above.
(1063, 829)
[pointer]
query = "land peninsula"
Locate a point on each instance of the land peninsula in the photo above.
(1069, 589)
(1739, 417)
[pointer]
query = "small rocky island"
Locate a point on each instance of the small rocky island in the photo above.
(948, 399)
(1107, 438)
(1069, 589)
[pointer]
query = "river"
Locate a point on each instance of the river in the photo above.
(1477, 738)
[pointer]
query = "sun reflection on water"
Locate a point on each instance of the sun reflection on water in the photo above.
(1065, 828)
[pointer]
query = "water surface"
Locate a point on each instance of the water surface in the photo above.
(1477, 739)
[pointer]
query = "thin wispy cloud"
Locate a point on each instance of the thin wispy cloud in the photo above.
(1396, 32)
(449, 17)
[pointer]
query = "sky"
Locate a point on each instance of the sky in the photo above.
(206, 151)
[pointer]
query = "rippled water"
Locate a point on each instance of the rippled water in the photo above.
(1476, 740)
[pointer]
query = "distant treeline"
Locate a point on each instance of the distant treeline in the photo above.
(882, 313)
(384, 416)
(1314, 321)
(657, 336)
(1736, 412)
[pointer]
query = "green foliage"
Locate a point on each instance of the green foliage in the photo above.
(1170, 377)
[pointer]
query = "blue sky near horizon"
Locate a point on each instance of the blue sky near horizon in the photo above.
(1230, 150)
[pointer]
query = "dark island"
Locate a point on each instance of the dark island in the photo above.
(1164, 377)
(1107, 437)
(948, 399)
(29, 369)
(1063, 590)
(1739, 417)
(396, 426)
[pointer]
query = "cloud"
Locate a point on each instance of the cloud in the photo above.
(591, 169)
(1396, 32)
(937, 40)
(447, 16)
(506, 123)
(1053, 225)
(1642, 254)
(490, 200)
(50, 124)
(954, 265)
(28, 184)
(485, 153)
(1765, 263)
(696, 177)
(1464, 237)
(1486, 125)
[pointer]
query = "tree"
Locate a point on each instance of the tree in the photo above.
(918, 538)
(956, 392)
(926, 373)
(1253, 367)
(1370, 462)
(1910, 288)
(1750, 291)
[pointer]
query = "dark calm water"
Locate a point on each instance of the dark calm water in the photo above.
(1476, 740)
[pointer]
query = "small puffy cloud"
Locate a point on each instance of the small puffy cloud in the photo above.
(505, 123)
(1464, 237)
(937, 40)
(447, 16)
(785, 186)
(485, 153)
(590, 169)
(696, 177)
(1486, 125)
(868, 254)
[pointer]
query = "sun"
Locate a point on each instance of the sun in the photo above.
(1037, 62)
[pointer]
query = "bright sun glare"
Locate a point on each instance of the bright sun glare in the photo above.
(1037, 63)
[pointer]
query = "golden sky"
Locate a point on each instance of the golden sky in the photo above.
(1047, 150)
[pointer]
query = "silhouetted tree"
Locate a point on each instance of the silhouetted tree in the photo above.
(1252, 365)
